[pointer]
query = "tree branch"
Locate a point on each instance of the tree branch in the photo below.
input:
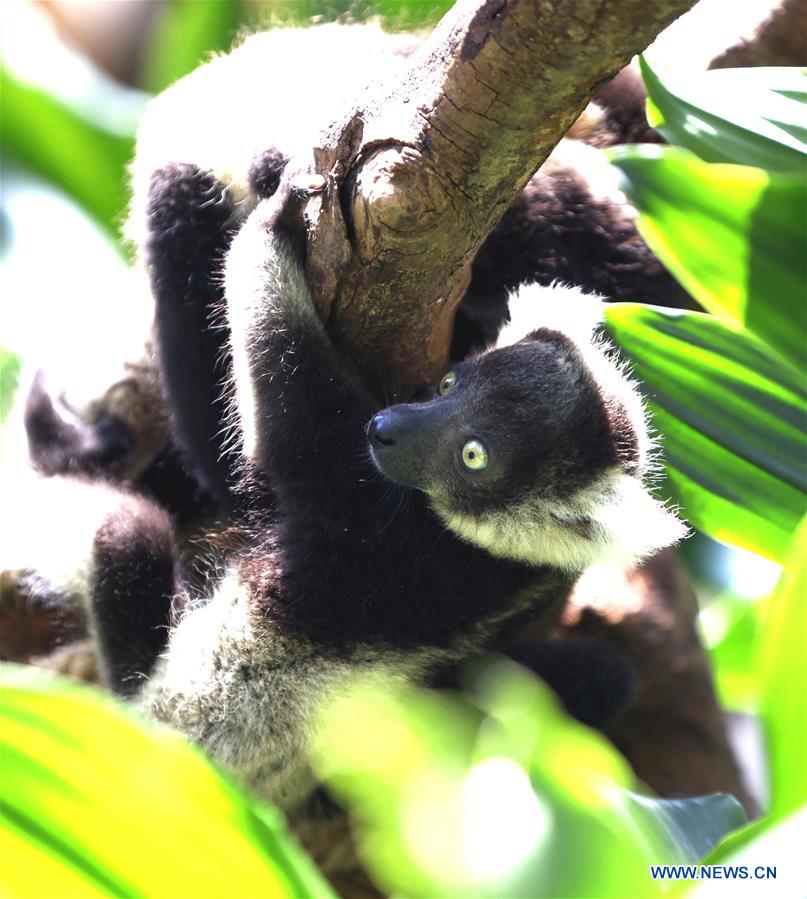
(421, 174)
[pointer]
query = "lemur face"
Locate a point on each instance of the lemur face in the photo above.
(525, 419)
(533, 451)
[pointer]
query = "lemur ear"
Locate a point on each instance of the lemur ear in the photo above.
(556, 307)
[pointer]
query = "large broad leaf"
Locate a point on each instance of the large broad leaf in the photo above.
(733, 419)
(94, 804)
(735, 237)
(56, 141)
(185, 34)
(502, 795)
(749, 116)
(784, 682)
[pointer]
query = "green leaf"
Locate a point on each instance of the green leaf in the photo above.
(394, 15)
(10, 365)
(784, 682)
(95, 803)
(186, 34)
(501, 794)
(71, 150)
(735, 237)
(748, 116)
(732, 627)
(733, 419)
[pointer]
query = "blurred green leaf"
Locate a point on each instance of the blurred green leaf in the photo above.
(501, 796)
(735, 237)
(95, 804)
(783, 662)
(185, 34)
(733, 652)
(752, 116)
(10, 365)
(395, 15)
(67, 148)
(733, 417)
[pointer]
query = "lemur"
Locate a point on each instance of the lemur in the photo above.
(403, 539)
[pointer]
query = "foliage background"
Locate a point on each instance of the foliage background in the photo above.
(486, 806)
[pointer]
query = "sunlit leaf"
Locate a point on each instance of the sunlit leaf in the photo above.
(784, 679)
(753, 116)
(95, 804)
(501, 795)
(734, 236)
(72, 151)
(733, 419)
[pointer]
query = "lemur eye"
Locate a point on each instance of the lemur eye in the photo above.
(474, 455)
(446, 383)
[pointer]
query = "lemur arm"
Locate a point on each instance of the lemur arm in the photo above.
(189, 227)
(302, 417)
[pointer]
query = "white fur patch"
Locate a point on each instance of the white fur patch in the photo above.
(249, 696)
(558, 307)
(613, 520)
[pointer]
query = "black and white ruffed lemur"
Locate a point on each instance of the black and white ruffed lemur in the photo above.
(401, 540)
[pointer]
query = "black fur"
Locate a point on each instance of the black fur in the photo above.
(132, 588)
(265, 173)
(360, 559)
(594, 682)
(168, 482)
(558, 230)
(190, 228)
(382, 569)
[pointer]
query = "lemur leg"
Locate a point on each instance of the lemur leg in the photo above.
(190, 226)
(133, 580)
(78, 544)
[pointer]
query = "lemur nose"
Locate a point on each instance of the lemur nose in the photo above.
(380, 428)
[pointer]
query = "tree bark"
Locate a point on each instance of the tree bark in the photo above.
(418, 177)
